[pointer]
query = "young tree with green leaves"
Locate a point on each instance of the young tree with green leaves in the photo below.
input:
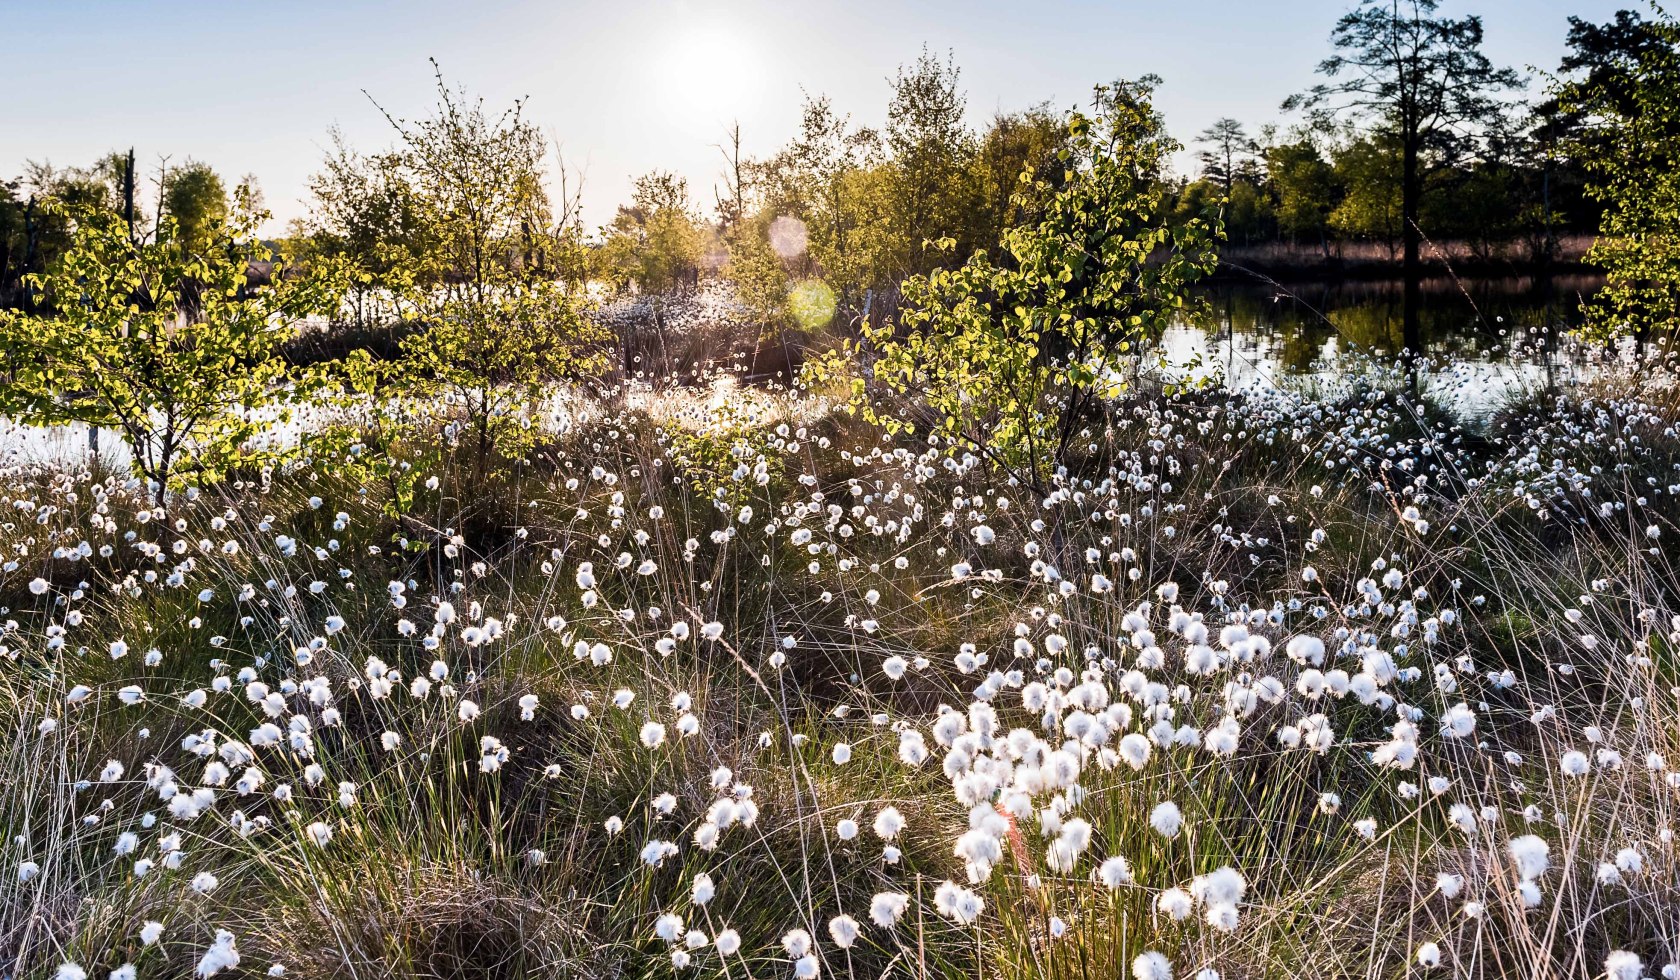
(929, 152)
(195, 197)
(166, 341)
(495, 321)
(496, 359)
(1012, 356)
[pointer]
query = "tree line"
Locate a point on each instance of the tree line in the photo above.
(1413, 132)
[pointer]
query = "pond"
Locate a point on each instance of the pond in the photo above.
(1487, 340)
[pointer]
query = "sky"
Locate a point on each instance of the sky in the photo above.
(629, 86)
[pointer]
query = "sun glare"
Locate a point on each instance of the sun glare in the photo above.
(707, 70)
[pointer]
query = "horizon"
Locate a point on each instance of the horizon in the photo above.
(707, 67)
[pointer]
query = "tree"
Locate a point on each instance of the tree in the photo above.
(757, 270)
(1229, 149)
(46, 231)
(1305, 186)
(755, 266)
(463, 198)
(1368, 171)
(165, 341)
(480, 180)
(738, 182)
(1631, 151)
(1481, 202)
(1017, 152)
(1421, 79)
(1601, 68)
(1012, 356)
(194, 196)
(827, 179)
(657, 243)
(1593, 91)
(368, 212)
(14, 240)
(1250, 214)
(495, 359)
(929, 148)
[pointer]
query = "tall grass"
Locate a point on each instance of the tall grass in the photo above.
(830, 626)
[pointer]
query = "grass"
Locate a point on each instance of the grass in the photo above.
(445, 862)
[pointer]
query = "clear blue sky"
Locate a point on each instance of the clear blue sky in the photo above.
(628, 86)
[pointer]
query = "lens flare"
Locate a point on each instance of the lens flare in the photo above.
(788, 237)
(811, 303)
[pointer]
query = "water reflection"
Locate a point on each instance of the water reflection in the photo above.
(30, 445)
(1486, 339)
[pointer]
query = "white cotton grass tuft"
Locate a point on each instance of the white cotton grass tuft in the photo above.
(1151, 965)
(1428, 955)
(886, 908)
(1623, 965)
(961, 905)
(652, 735)
(222, 955)
(1529, 855)
(796, 943)
(702, 889)
(1114, 872)
(1166, 819)
(844, 930)
(1175, 903)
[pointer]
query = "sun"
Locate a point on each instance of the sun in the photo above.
(708, 71)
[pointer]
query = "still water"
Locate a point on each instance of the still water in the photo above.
(1487, 340)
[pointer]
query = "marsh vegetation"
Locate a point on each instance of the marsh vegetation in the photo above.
(893, 575)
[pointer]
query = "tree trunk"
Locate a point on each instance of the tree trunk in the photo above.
(1411, 189)
(1548, 244)
(28, 254)
(128, 192)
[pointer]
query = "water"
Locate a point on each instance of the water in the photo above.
(30, 444)
(1487, 340)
